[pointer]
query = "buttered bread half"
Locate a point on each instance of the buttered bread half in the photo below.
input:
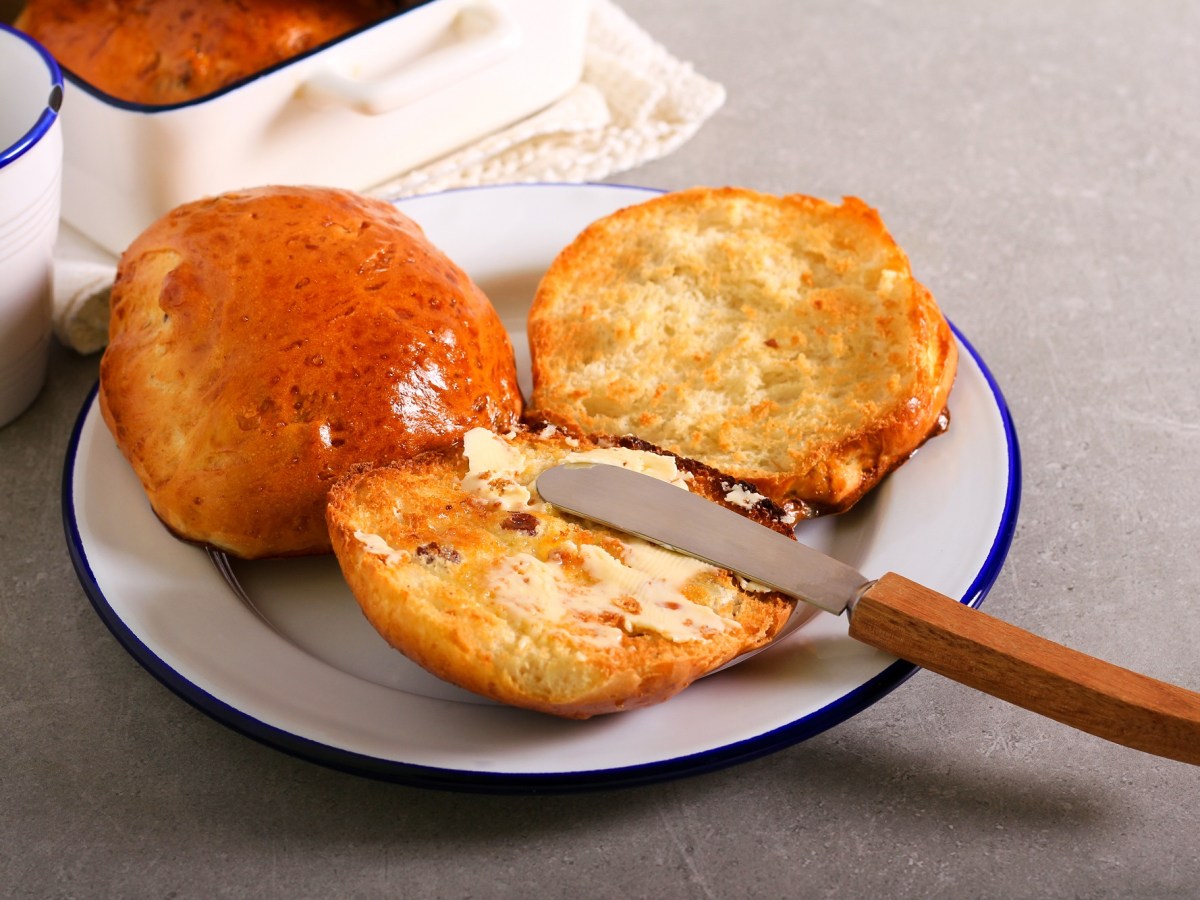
(263, 343)
(781, 340)
(459, 564)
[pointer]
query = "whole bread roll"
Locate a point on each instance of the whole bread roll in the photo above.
(265, 342)
(170, 51)
(459, 564)
(781, 340)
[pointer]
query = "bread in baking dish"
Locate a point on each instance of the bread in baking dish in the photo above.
(782, 340)
(170, 51)
(265, 342)
(458, 563)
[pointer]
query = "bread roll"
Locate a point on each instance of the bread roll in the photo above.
(459, 564)
(265, 342)
(782, 340)
(170, 51)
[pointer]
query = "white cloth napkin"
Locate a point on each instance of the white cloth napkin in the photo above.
(635, 102)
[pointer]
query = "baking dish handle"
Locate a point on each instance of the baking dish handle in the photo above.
(484, 33)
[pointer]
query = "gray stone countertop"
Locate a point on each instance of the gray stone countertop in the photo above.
(1038, 161)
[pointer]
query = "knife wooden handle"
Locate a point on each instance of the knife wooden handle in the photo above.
(940, 634)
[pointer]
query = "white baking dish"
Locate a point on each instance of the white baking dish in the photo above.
(350, 114)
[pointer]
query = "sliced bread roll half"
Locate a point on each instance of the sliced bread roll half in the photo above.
(782, 340)
(458, 563)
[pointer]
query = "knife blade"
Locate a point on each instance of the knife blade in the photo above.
(668, 515)
(893, 613)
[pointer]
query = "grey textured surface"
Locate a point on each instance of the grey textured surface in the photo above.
(1038, 161)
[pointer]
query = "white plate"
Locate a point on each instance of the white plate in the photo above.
(298, 667)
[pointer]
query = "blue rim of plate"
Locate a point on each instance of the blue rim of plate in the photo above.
(834, 713)
(46, 120)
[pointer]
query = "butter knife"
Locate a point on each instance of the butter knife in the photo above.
(894, 614)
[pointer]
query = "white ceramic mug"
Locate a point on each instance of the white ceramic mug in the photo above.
(31, 87)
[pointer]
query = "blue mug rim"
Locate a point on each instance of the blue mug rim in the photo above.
(49, 115)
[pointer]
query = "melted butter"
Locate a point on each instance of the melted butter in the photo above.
(495, 469)
(498, 471)
(665, 568)
(539, 592)
(655, 579)
(661, 467)
(739, 496)
(376, 545)
(752, 586)
(643, 592)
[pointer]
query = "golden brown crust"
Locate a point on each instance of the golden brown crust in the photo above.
(170, 51)
(783, 340)
(426, 558)
(263, 343)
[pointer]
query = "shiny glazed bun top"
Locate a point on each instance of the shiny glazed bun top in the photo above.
(170, 51)
(265, 342)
